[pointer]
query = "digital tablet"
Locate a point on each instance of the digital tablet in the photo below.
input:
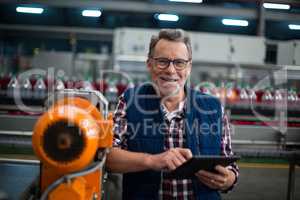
(208, 163)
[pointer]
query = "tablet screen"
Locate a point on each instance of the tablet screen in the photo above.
(190, 167)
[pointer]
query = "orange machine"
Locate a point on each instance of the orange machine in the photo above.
(71, 140)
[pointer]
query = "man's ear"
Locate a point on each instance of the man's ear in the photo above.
(149, 64)
(190, 68)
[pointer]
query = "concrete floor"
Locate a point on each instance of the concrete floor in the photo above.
(255, 183)
(14, 178)
(263, 184)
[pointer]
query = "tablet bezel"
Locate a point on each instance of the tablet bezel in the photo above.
(196, 163)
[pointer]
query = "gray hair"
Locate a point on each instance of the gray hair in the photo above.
(176, 35)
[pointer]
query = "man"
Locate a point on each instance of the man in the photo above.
(161, 125)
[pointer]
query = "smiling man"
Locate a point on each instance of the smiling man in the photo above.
(159, 126)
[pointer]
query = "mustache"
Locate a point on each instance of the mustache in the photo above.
(168, 77)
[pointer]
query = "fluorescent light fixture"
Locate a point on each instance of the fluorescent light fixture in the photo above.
(167, 17)
(276, 6)
(235, 22)
(187, 1)
(31, 10)
(294, 26)
(91, 13)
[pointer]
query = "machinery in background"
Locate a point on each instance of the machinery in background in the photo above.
(247, 107)
(32, 91)
(71, 140)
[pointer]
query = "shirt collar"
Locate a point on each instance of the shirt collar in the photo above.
(179, 112)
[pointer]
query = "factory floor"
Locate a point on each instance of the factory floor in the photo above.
(263, 182)
(257, 182)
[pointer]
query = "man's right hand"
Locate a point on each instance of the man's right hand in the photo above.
(168, 160)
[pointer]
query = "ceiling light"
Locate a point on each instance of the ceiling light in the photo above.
(91, 13)
(31, 10)
(235, 22)
(187, 1)
(167, 17)
(294, 26)
(276, 6)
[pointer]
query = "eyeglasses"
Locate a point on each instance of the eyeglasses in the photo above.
(164, 63)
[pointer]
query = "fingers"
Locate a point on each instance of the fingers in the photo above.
(221, 170)
(218, 178)
(176, 157)
(174, 160)
(208, 182)
(170, 159)
(171, 164)
(222, 180)
(186, 153)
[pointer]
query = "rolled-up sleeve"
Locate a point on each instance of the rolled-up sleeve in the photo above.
(226, 148)
(120, 125)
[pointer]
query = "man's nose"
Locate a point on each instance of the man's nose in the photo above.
(171, 68)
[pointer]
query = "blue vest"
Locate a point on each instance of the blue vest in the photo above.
(202, 126)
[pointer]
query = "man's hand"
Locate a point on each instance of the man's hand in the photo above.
(168, 160)
(221, 180)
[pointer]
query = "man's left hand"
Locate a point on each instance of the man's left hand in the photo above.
(222, 180)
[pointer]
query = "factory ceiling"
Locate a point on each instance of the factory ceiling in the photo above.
(205, 16)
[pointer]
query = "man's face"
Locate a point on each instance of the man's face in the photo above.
(170, 81)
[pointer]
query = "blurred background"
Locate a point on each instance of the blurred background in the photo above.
(245, 52)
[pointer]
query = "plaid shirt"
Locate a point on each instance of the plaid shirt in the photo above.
(174, 136)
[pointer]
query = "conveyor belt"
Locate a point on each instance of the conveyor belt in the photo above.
(290, 156)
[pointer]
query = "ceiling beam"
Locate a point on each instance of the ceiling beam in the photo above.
(95, 34)
(148, 7)
(57, 29)
(283, 16)
(291, 2)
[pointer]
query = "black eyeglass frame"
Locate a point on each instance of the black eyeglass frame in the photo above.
(169, 61)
